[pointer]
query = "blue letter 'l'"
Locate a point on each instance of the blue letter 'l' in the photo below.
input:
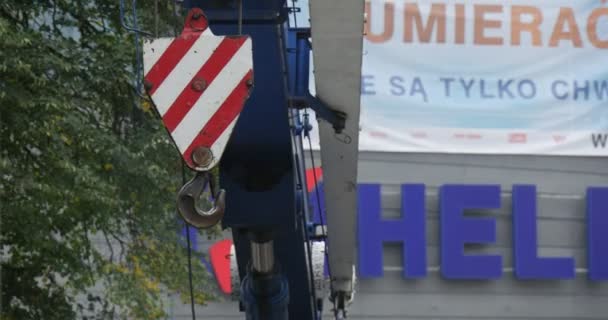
(409, 229)
(597, 233)
(457, 230)
(528, 265)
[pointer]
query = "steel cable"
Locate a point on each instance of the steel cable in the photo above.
(188, 241)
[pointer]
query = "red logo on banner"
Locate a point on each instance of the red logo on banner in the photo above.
(518, 137)
(419, 134)
(378, 134)
(467, 135)
(559, 138)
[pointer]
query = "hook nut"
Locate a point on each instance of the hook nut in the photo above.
(202, 156)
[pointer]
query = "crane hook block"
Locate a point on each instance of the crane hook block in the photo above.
(198, 83)
(188, 198)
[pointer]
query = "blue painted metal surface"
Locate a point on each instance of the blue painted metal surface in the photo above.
(266, 298)
(256, 170)
(298, 57)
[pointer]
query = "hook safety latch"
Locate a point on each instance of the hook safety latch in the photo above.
(189, 195)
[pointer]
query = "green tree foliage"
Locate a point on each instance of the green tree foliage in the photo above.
(88, 176)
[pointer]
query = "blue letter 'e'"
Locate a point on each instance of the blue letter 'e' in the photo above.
(457, 230)
(597, 233)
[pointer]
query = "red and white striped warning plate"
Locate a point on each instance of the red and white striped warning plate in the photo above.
(198, 83)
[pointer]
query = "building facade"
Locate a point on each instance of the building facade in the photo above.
(561, 185)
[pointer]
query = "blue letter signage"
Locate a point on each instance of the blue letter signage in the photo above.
(597, 233)
(409, 230)
(528, 265)
(458, 230)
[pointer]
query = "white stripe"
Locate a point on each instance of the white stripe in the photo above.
(153, 50)
(185, 70)
(218, 146)
(213, 97)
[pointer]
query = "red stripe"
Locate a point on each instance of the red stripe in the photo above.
(208, 72)
(169, 59)
(222, 118)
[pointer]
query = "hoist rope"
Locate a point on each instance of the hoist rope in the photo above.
(320, 210)
(139, 63)
(138, 84)
(302, 213)
(295, 16)
(123, 22)
(156, 18)
(134, 29)
(240, 22)
(316, 187)
(189, 253)
(299, 163)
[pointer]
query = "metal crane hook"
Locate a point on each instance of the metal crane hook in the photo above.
(189, 195)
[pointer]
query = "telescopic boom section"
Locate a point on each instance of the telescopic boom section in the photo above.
(337, 41)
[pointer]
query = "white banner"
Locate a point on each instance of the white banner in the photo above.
(486, 76)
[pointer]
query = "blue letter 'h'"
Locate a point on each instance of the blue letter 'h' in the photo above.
(410, 230)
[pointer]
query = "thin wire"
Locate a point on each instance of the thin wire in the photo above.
(303, 220)
(189, 254)
(138, 63)
(302, 182)
(321, 216)
(176, 15)
(240, 17)
(295, 16)
(138, 71)
(314, 174)
(124, 24)
(156, 18)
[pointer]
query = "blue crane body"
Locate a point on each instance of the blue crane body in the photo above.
(257, 168)
(231, 87)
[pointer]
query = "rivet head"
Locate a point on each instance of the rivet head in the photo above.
(196, 15)
(202, 156)
(249, 82)
(199, 84)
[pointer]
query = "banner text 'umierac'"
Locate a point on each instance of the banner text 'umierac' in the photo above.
(486, 76)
